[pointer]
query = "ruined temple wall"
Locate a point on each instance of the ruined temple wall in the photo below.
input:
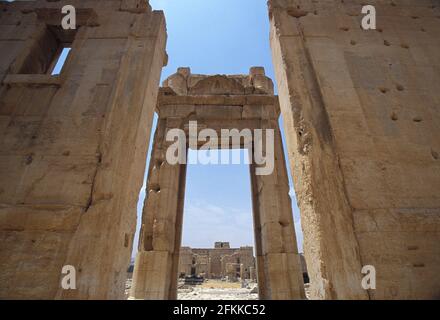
(202, 266)
(216, 256)
(240, 258)
(185, 260)
(73, 147)
(246, 256)
(211, 262)
(361, 114)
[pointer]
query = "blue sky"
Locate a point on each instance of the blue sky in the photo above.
(217, 37)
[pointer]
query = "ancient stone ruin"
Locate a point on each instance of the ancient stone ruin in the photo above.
(216, 102)
(361, 114)
(219, 262)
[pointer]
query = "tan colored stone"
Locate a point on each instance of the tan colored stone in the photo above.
(73, 146)
(361, 123)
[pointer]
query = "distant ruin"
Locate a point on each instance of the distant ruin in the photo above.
(220, 262)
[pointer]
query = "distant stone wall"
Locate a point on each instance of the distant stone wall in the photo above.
(212, 262)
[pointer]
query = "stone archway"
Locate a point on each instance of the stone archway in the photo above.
(217, 102)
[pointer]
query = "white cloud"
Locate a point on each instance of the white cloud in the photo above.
(204, 224)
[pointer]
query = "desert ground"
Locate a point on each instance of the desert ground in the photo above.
(212, 289)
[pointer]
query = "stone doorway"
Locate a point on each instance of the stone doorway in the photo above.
(217, 102)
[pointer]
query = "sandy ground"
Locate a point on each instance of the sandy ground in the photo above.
(218, 284)
(217, 290)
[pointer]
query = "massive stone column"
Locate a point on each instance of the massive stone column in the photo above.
(73, 146)
(278, 265)
(360, 110)
(156, 266)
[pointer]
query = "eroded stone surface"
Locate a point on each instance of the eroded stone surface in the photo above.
(361, 114)
(73, 146)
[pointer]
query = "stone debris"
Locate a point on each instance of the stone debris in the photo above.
(203, 293)
(218, 294)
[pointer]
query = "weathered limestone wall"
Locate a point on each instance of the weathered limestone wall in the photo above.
(242, 261)
(362, 115)
(216, 256)
(211, 261)
(73, 147)
(185, 261)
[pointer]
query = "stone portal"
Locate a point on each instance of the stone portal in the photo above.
(216, 102)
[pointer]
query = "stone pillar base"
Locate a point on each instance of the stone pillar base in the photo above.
(151, 279)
